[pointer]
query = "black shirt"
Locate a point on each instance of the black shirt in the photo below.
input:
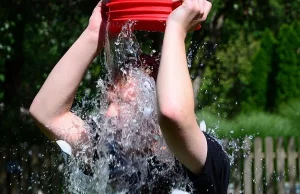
(213, 179)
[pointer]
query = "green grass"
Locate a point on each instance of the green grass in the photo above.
(253, 124)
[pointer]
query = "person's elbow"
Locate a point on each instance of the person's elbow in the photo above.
(174, 113)
(36, 112)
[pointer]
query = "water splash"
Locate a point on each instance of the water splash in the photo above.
(128, 151)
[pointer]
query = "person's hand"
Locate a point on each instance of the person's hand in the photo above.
(98, 21)
(190, 14)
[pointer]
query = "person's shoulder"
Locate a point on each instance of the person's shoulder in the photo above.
(213, 142)
(214, 177)
(216, 154)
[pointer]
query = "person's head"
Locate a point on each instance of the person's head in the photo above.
(125, 87)
(132, 103)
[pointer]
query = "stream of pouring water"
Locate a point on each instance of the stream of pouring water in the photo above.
(130, 155)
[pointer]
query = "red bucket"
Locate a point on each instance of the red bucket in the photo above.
(148, 15)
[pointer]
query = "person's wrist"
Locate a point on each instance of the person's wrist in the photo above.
(176, 28)
(93, 38)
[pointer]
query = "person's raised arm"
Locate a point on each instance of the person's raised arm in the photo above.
(51, 106)
(174, 88)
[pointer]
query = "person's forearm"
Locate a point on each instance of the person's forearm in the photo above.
(174, 87)
(57, 94)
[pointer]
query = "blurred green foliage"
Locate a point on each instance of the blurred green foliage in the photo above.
(256, 123)
(288, 82)
(261, 67)
(246, 57)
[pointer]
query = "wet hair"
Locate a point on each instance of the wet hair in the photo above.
(149, 64)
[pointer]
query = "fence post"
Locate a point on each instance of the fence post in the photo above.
(292, 171)
(248, 171)
(269, 165)
(236, 166)
(238, 161)
(298, 155)
(280, 158)
(258, 167)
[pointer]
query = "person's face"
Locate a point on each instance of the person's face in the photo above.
(123, 104)
(123, 93)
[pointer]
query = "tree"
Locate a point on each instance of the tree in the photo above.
(287, 80)
(225, 79)
(33, 37)
(262, 64)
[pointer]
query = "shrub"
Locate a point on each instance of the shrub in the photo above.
(288, 82)
(291, 110)
(253, 124)
(262, 64)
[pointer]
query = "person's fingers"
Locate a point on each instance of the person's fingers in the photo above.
(204, 8)
(99, 5)
(101, 8)
(196, 4)
(188, 3)
(207, 8)
(202, 4)
(105, 1)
